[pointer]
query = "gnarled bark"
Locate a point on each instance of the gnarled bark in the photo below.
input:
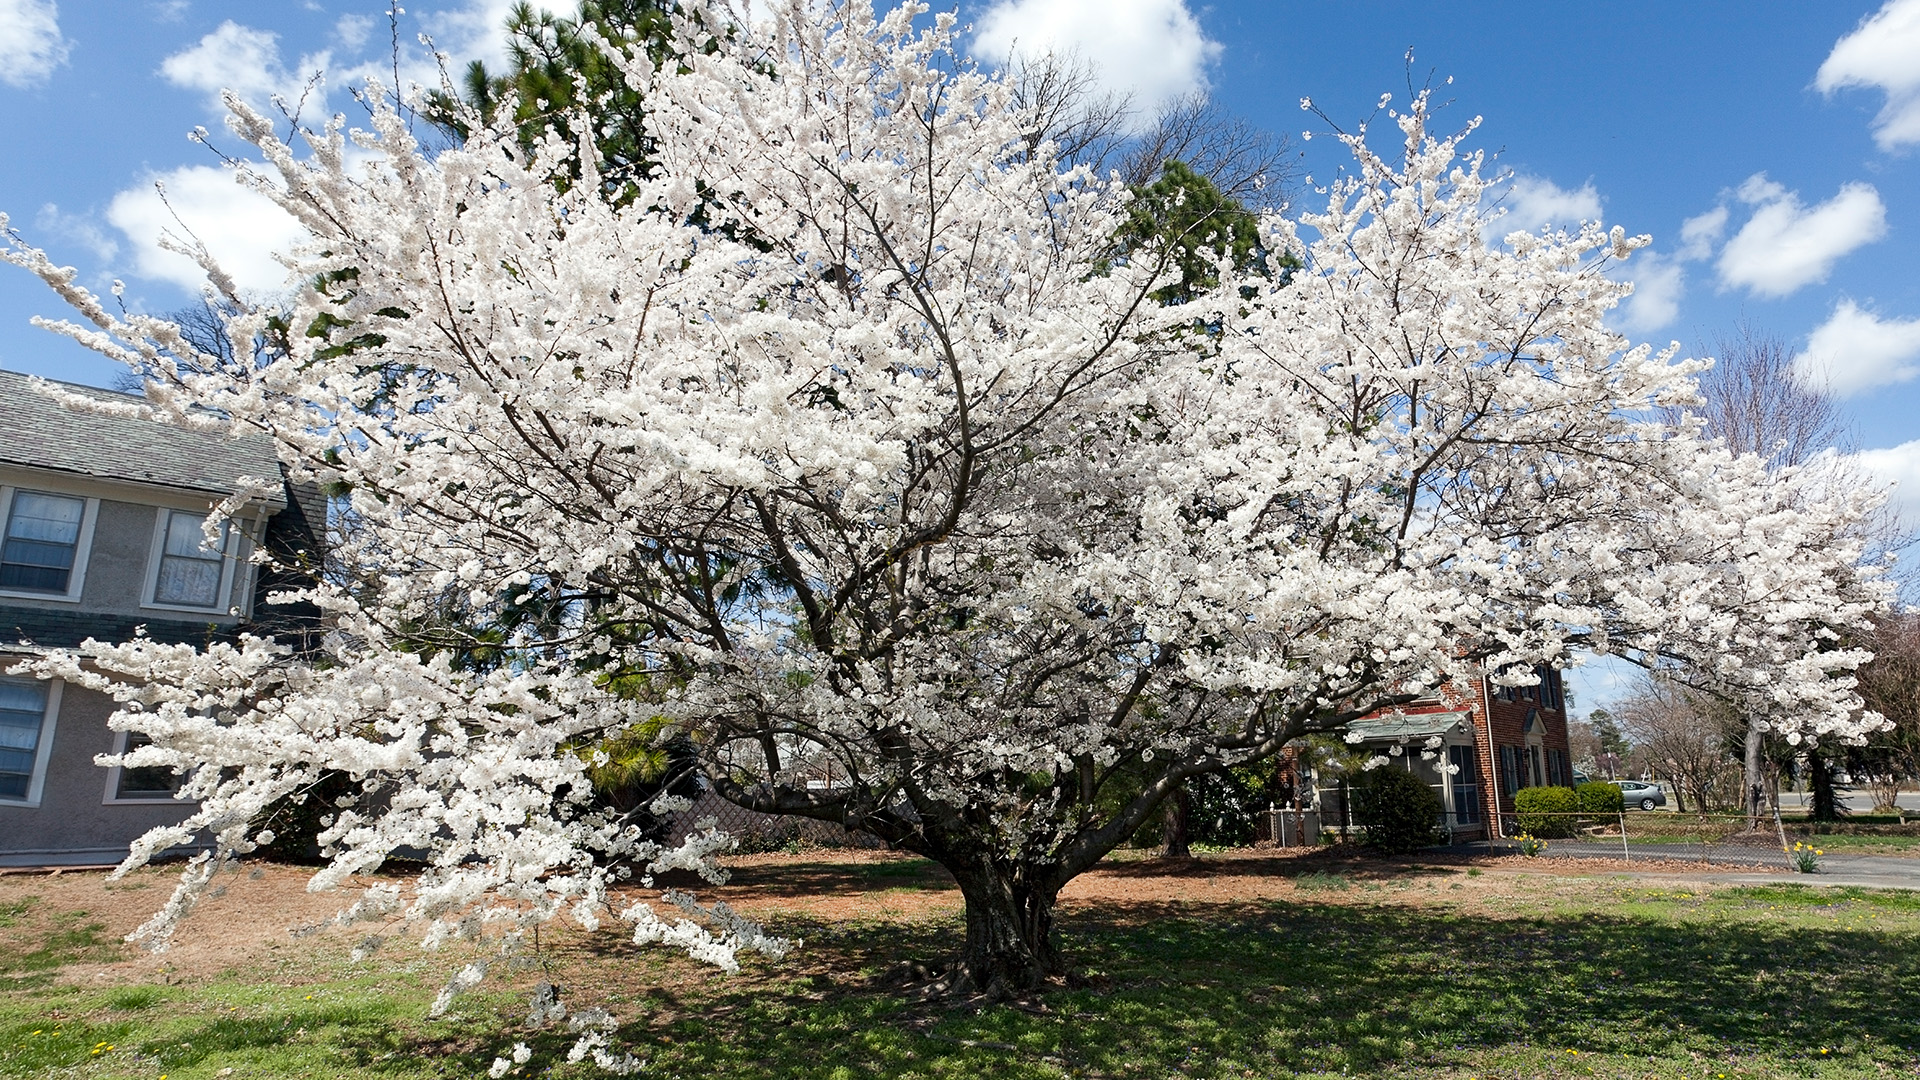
(1177, 812)
(1011, 946)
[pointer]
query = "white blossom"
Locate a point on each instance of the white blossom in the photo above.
(847, 435)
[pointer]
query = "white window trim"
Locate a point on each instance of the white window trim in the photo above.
(113, 798)
(36, 784)
(77, 579)
(228, 559)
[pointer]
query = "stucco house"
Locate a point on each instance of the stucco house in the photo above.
(101, 533)
(1499, 739)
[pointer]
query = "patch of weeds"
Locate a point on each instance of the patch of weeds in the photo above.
(12, 910)
(1322, 881)
(899, 868)
(1814, 897)
(70, 940)
(133, 998)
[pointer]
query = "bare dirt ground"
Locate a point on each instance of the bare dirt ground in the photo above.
(248, 922)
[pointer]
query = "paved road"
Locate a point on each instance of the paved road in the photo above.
(1857, 801)
(1770, 866)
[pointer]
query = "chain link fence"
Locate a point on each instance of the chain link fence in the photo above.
(1651, 835)
(1628, 836)
(757, 832)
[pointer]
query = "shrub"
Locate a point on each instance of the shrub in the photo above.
(1399, 810)
(1599, 799)
(295, 820)
(1321, 881)
(1547, 811)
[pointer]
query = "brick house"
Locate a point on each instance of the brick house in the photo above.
(101, 533)
(1500, 738)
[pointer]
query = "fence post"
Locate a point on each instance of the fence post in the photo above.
(1625, 855)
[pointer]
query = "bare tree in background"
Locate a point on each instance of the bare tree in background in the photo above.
(1752, 399)
(1087, 125)
(1890, 683)
(1249, 165)
(1684, 735)
(204, 326)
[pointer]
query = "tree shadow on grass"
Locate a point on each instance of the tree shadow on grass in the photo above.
(1274, 989)
(1336, 985)
(814, 879)
(1346, 859)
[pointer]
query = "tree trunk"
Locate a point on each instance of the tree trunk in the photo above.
(1010, 941)
(1754, 778)
(1177, 811)
(1826, 804)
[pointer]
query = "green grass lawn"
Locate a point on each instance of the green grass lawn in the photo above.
(1833, 843)
(1856, 844)
(1414, 974)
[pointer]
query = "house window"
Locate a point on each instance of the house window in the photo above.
(1466, 784)
(42, 542)
(23, 737)
(148, 782)
(1510, 778)
(190, 568)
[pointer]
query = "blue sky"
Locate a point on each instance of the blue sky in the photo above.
(1771, 148)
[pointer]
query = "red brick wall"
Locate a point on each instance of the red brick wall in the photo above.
(1507, 721)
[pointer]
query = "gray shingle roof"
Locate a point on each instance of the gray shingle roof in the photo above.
(38, 432)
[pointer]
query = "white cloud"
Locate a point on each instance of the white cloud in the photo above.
(474, 30)
(77, 229)
(1151, 50)
(1660, 280)
(31, 45)
(1786, 245)
(241, 227)
(170, 10)
(1884, 53)
(1700, 234)
(247, 62)
(353, 31)
(1658, 285)
(1856, 350)
(1899, 466)
(1535, 202)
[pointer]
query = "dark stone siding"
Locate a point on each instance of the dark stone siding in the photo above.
(295, 538)
(57, 629)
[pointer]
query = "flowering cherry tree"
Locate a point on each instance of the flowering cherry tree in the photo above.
(847, 442)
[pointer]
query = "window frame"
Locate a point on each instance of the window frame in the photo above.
(43, 751)
(1465, 793)
(229, 558)
(83, 544)
(113, 796)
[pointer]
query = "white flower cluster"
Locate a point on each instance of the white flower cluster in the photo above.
(845, 442)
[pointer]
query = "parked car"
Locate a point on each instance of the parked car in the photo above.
(1643, 795)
